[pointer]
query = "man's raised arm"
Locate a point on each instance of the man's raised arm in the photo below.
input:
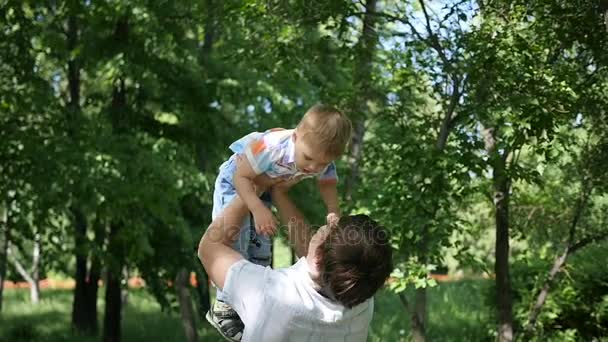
(214, 249)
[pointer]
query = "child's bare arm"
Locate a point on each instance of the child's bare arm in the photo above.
(329, 194)
(244, 183)
(298, 232)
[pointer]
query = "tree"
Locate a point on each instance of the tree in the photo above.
(363, 94)
(423, 101)
(539, 93)
(590, 179)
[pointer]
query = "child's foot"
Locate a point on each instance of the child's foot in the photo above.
(226, 321)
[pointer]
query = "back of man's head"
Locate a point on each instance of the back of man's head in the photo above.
(355, 259)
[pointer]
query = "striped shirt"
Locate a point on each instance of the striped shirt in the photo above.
(273, 153)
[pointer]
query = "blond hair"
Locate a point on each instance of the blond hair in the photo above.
(327, 128)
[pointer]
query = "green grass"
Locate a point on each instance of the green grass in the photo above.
(50, 319)
(456, 313)
(281, 253)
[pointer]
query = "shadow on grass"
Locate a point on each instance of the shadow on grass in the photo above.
(46, 326)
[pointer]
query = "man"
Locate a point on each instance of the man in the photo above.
(325, 296)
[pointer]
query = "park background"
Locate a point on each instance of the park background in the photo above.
(480, 141)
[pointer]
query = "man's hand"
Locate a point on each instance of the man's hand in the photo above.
(332, 219)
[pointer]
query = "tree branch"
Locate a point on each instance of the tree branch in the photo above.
(449, 119)
(19, 266)
(452, 10)
(394, 18)
(426, 17)
(588, 240)
(561, 260)
(433, 40)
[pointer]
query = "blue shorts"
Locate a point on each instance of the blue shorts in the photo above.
(253, 247)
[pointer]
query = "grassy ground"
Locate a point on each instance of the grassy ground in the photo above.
(50, 320)
(456, 313)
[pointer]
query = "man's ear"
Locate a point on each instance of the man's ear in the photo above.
(314, 272)
(295, 134)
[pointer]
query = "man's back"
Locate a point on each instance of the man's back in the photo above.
(283, 305)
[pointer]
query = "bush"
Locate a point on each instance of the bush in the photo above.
(576, 308)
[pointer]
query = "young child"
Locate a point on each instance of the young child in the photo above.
(267, 158)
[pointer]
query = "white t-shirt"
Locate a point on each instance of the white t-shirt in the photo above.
(282, 305)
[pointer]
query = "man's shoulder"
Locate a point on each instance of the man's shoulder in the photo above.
(246, 271)
(249, 281)
(245, 267)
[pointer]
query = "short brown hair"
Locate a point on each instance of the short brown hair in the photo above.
(354, 260)
(327, 128)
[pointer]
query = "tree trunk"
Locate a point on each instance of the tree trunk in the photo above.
(4, 241)
(92, 282)
(211, 30)
(33, 284)
(501, 187)
(115, 250)
(355, 155)
(82, 319)
(417, 313)
(124, 291)
(418, 317)
(113, 310)
(32, 277)
(182, 287)
(202, 287)
(84, 305)
(501, 266)
(362, 78)
(91, 290)
(36, 253)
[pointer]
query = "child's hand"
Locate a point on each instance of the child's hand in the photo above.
(332, 219)
(265, 222)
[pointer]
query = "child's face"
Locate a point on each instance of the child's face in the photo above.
(308, 158)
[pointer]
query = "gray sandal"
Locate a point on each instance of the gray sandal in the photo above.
(226, 321)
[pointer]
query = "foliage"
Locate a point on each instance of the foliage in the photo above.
(124, 111)
(576, 308)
